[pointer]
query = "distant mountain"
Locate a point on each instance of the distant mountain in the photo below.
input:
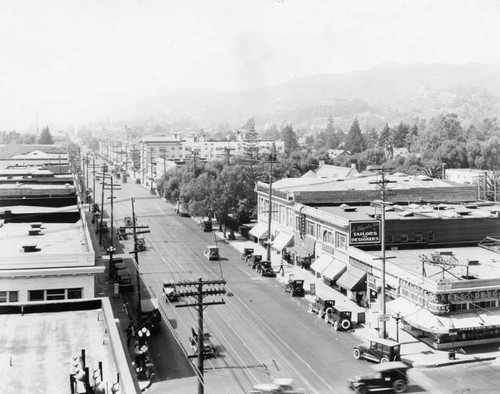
(387, 93)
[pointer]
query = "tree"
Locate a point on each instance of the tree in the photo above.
(355, 142)
(45, 137)
(250, 141)
(400, 135)
(289, 137)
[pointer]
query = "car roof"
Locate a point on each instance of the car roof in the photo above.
(283, 381)
(391, 365)
(387, 342)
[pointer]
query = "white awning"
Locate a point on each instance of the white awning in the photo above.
(419, 317)
(334, 270)
(281, 241)
(259, 230)
(321, 263)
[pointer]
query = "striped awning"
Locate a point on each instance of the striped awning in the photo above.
(352, 279)
(320, 264)
(334, 270)
(281, 241)
(259, 230)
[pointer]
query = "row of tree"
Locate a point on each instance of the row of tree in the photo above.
(13, 137)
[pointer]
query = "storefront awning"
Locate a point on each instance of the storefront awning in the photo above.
(321, 263)
(281, 241)
(418, 317)
(352, 279)
(303, 248)
(259, 230)
(334, 270)
(299, 251)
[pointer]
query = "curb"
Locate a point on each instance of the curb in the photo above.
(416, 364)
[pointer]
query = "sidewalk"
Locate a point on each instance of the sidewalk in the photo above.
(413, 350)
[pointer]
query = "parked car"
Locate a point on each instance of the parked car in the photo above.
(170, 292)
(295, 287)
(320, 306)
(340, 319)
(391, 375)
(247, 252)
(150, 315)
(206, 225)
(378, 350)
(208, 347)
(211, 252)
(278, 386)
(264, 268)
(254, 260)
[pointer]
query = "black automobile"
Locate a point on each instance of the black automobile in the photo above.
(378, 350)
(388, 376)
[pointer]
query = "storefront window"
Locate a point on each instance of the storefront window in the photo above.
(36, 295)
(74, 293)
(56, 294)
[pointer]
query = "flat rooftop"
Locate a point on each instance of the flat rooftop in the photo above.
(58, 245)
(486, 263)
(416, 211)
(38, 349)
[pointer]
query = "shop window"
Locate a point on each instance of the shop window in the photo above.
(340, 241)
(459, 307)
(74, 293)
(310, 228)
(36, 295)
(13, 296)
(318, 229)
(56, 294)
(3, 296)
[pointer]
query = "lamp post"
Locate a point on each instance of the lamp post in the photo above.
(110, 250)
(397, 317)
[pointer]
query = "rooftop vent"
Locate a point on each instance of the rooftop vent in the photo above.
(347, 208)
(30, 248)
(34, 231)
(36, 225)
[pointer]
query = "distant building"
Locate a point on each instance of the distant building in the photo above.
(337, 153)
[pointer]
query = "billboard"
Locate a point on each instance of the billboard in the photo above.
(364, 232)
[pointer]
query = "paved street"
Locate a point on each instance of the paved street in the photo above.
(261, 332)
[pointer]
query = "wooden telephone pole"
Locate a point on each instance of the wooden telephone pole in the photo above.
(198, 290)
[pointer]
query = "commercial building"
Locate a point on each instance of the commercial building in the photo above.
(336, 224)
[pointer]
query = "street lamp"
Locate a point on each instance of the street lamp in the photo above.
(397, 317)
(110, 250)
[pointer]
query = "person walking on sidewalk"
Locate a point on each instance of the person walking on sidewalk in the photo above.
(130, 333)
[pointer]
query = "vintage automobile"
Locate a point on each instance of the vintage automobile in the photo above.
(320, 306)
(150, 315)
(211, 252)
(206, 225)
(278, 386)
(208, 347)
(264, 268)
(170, 292)
(247, 252)
(341, 319)
(141, 244)
(254, 260)
(295, 287)
(378, 350)
(387, 376)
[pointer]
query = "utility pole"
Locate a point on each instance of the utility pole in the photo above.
(382, 183)
(270, 211)
(136, 255)
(151, 171)
(93, 181)
(112, 197)
(228, 151)
(104, 168)
(87, 183)
(196, 289)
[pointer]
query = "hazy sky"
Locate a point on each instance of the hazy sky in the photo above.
(54, 52)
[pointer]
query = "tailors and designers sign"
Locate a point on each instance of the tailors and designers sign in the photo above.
(364, 232)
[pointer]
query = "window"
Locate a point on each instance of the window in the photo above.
(74, 293)
(404, 237)
(13, 296)
(310, 228)
(297, 223)
(328, 237)
(419, 237)
(36, 295)
(318, 230)
(3, 296)
(459, 307)
(431, 236)
(340, 241)
(56, 294)
(390, 238)
(484, 304)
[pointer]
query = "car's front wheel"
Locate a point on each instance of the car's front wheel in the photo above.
(356, 353)
(384, 360)
(362, 389)
(399, 386)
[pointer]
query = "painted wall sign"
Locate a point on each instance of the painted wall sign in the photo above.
(364, 232)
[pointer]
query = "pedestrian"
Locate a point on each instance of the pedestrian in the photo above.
(129, 331)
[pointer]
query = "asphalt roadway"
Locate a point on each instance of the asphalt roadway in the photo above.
(260, 333)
